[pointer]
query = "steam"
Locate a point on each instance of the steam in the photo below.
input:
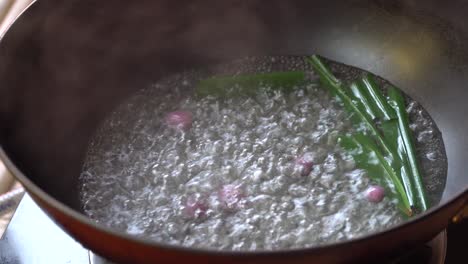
(70, 63)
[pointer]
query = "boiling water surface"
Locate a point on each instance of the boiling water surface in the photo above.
(232, 180)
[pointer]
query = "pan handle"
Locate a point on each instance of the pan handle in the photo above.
(10, 11)
(463, 213)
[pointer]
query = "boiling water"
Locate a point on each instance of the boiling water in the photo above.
(141, 176)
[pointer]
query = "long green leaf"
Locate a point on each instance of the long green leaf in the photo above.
(389, 156)
(391, 132)
(365, 161)
(250, 83)
(405, 170)
(368, 157)
(337, 88)
(383, 109)
(362, 100)
(397, 101)
(393, 136)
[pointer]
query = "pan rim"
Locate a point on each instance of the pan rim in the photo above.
(51, 201)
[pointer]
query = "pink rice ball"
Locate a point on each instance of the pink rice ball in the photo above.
(375, 194)
(179, 120)
(195, 207)
(306, 164)
(231, 197)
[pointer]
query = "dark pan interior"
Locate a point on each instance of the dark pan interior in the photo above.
(64, 65)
